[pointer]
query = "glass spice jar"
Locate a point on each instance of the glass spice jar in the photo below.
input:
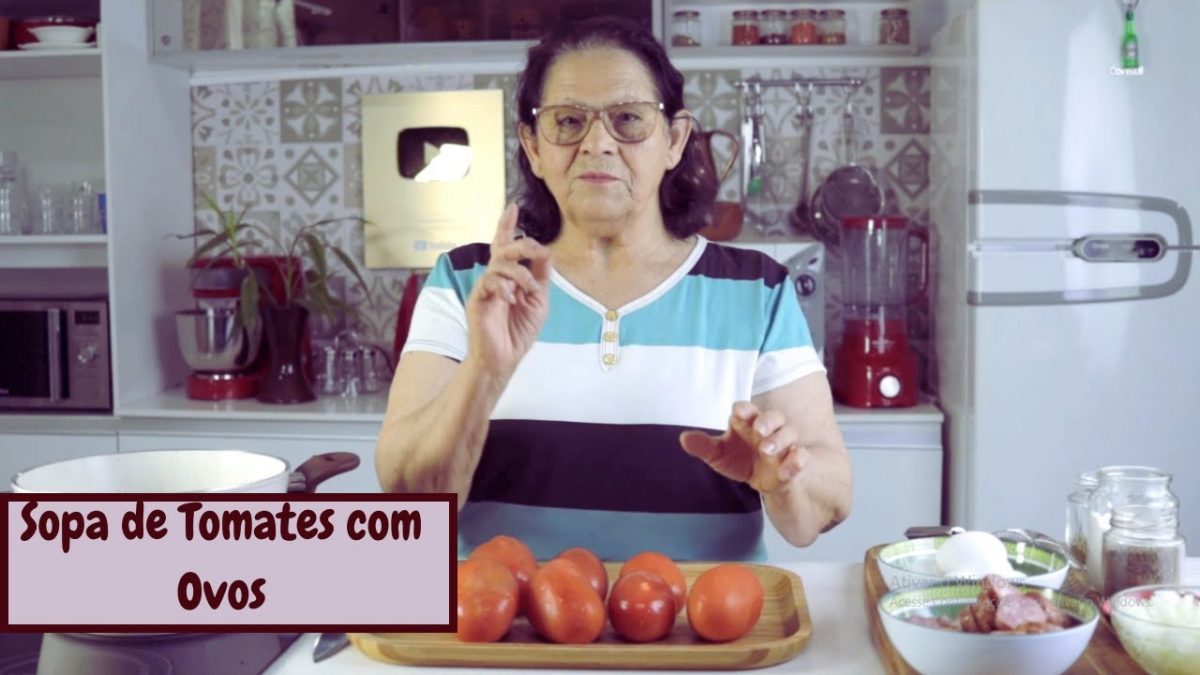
(833, 27)
(1143, 547)
(745, 27)
(1078, 514)
(893, 27)
(685, 28)
(804, 29)
(774, 27)
(1121, 486)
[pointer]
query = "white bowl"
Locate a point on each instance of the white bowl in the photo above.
(913, 563)
(941, 651)
(61, 34)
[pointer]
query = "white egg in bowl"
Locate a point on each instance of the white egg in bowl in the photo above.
(969, 555)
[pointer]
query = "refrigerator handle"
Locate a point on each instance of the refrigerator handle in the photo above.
(1099, 248)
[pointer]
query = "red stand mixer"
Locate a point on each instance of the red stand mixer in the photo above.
(874, 366)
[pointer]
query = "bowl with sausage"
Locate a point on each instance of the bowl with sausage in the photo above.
(988, 626)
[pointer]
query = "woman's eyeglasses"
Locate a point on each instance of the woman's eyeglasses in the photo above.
(570, 124)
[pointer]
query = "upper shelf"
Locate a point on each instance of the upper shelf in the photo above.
(54, 251)
(26, 65)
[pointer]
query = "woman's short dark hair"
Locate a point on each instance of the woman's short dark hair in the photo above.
(687, 191)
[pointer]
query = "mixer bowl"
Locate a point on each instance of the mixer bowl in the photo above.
(214, 340)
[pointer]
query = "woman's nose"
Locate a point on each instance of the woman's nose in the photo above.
(597, 139)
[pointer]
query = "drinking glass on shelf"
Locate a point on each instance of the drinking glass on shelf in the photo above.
(48, 212)
(12, 210)
(81, 209)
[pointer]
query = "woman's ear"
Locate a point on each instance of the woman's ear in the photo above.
(680, 128)
(529, 144)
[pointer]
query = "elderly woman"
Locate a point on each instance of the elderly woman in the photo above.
(612, 379)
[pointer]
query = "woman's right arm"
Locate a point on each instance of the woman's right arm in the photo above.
(439, 410)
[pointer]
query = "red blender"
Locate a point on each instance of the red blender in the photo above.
(874, 367)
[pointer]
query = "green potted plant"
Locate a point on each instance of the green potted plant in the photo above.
(277, 286)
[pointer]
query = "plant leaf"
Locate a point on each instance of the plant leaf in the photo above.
(249, 301)
(318, 255)
(348, 263)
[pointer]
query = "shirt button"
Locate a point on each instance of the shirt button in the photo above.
(609, 359)
(610, 337)
(611, 315)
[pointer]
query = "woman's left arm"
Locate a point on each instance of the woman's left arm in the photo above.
(814, 486)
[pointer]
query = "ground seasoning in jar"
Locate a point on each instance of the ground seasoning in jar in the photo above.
(1142, 548)
(685, 28)
(893, 27)
(1078, 515)
(774, 26)
(745, 27)
(833, 27)
(804, 29)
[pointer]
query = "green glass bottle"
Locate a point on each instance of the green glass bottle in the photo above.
(1129, 45)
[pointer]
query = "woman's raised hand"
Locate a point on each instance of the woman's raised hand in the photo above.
(510, 302)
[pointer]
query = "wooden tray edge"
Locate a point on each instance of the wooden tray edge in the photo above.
(728, 656)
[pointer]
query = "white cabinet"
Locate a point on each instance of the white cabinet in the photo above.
(897, 464)
(29, 441)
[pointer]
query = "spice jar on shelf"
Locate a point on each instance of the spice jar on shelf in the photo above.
(1122, 486)
(804, 30)
(1143, 547)
(833, 27)
(1078, 515)
(685, 28)
(893, 26)
(774, 27)
(745, 27)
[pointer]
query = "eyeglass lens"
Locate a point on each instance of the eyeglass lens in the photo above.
(627, 122)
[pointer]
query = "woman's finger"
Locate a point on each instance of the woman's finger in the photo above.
(521, 249)
(769, 422)
(496, 285)
(520, 275)
(792, 463)
(506, 229)
(774, 444)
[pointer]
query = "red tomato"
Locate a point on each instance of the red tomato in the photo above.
(590, 565)
(563, 606)
(641, 607)
(487, 600)
(517, 557)
(664, 567)
(725, 602)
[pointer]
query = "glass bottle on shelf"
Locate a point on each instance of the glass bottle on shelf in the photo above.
(745, 27)
(774, 27)
(833, 27)
(804, 30)
(893, 26)
(1122, 486)
(1078, 513)
(685, 28)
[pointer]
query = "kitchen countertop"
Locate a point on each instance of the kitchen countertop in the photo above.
(840, 641)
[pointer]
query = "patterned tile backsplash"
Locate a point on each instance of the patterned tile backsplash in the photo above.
(290, 152)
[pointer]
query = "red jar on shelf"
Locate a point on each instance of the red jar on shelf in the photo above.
(804, 29)
(745, 27)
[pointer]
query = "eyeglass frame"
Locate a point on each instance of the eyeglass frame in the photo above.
(592, 115)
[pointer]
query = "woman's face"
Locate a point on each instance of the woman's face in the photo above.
(600, 182)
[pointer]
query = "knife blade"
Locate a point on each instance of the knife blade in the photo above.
(329, 644)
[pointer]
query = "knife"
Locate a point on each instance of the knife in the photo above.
(329, 644)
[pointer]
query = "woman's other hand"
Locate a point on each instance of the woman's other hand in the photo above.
(510, 302)
(759, 448)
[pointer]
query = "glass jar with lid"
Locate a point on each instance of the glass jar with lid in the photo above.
(1078, 515)
(745, 27)
(804, 30)
(1122, 486)
(1142, 548)
(774, 26)
(833, 27)
(685, 28)
(893, 26)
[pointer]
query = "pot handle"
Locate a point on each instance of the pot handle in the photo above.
(737, 146)
(320, 468)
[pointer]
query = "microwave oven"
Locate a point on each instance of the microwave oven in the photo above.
(54, 355)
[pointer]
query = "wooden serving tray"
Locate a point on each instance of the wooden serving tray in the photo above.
(1104, 655)
(781, 633)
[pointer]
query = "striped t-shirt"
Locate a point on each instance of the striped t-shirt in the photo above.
(583, 446)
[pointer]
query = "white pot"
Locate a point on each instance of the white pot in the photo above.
(183, 471)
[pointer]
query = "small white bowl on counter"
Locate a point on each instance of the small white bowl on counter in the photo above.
(913, 563)
(1160, 627)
